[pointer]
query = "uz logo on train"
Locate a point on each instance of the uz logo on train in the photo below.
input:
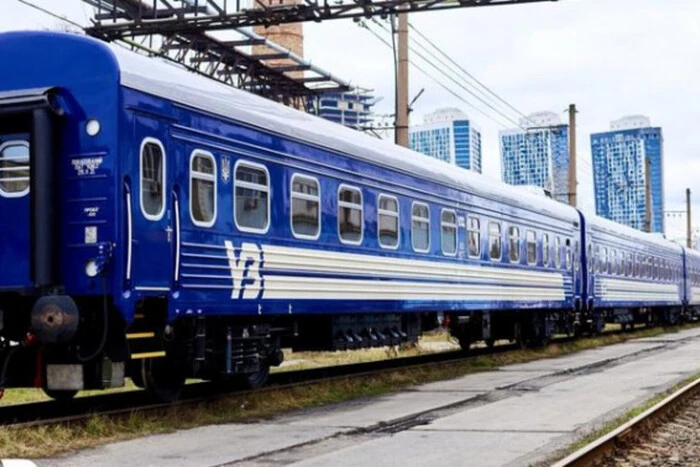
(245, 264)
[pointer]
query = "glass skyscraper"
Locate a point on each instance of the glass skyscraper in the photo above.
(619, 168)
(448, 135)
(537, 154)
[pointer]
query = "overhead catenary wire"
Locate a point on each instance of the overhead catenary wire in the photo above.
(486, 90)
(459, 82)
(439, 82)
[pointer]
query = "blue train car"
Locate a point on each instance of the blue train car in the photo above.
(633, 277)
(691, 265)
(165, 226)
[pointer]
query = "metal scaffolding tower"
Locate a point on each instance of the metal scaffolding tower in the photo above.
(237, 57)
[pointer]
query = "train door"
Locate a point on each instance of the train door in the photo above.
(151, 259)
(14, 204)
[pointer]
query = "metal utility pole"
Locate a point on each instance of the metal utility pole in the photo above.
(572, 155)
(402, 82)
(689, 228)
(647, 194)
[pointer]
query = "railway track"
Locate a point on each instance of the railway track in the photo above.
(82, 408)
(666, 434)
(53, 412)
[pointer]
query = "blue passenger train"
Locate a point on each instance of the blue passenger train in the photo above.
(158, 225)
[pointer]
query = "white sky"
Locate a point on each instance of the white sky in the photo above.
(610, 57)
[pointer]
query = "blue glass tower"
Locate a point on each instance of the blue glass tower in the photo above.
(448, 135)
(619, 172)
(537, 155)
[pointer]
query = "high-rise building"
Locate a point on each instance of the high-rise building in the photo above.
(352, 108)
(537, 154)
(619, 172)
(448, 135)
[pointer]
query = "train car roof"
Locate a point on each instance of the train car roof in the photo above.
(167, 80)
(629, 233)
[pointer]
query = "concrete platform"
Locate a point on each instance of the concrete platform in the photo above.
(517, 415)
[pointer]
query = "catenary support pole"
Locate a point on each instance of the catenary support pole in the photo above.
(402, 84)
(689, 228)
(572, 156)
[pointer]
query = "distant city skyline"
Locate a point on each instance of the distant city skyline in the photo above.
(619, 172)
(537, 154)
(449, 135)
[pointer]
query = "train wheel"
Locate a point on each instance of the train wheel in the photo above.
(254, 380)
(60, 395)
(163, 378)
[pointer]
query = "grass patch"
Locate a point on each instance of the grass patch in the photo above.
(619, 421)
(44, 441)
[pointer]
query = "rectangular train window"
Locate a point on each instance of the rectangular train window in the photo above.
(306, 207)
(495, 240)
(545, 250)
(575, 257)
(613, 262)
(531, 246)
(152, 168)
(567, 251)
(448, 229)
(388, 221)
(557, 252)
(252, 197)
(513, 244)
(474, 237)
(590, 258)
(203, 188)
(14, 169)
(350, 217)
(420, 227)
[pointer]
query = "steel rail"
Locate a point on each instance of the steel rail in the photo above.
(597, 451)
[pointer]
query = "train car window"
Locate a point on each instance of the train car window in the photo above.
(567, 250)
(474, 237)
(590, 258)
(575, 256)
(420, 227)
(388, 221)
(513, 244)
(14, 169)
(306, 207)
(252, 197)
(203, 188)
(448, 229)
(152, 173)
(598, 260)
(545, 250)
(495, 240)
(605, 266)
(531, 246)
(350, 217)
(557, 252)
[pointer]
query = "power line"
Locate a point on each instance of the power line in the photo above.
(440, 83)
(463, 70)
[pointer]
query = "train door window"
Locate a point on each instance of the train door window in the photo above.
(513, 244)
(152, 173)
(495, 240)
(474, 237)
(14, 169)
(567, 250)
(531, 246)
(545, 250)
(574, 256)
(306, 207)
(448, 228)
(420, 227)
(557, 252)
(203, 188)
(350, 217)
(590, 258)
(252, 197)
(388, 221)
